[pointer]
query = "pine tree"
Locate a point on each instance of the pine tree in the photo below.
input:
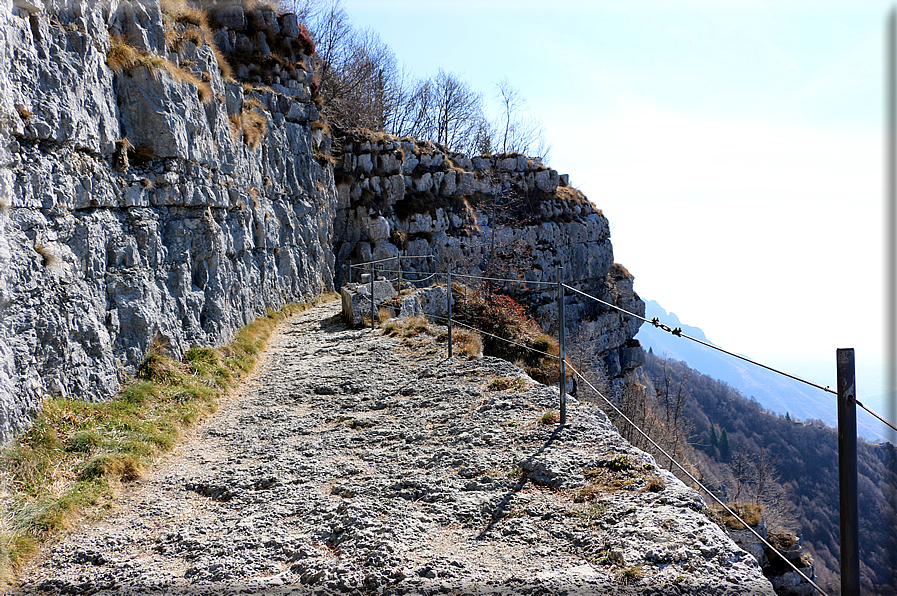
(725, 452)
(714, 439)
(787, 416)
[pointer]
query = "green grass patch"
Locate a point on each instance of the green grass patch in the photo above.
(68, 463)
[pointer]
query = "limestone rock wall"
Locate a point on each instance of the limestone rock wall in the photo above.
(499, 216)
(180, 235)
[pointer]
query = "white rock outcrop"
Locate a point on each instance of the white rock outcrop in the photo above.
(180, 240)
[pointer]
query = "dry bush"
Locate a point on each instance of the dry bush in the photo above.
(500, 315)
(469, 343)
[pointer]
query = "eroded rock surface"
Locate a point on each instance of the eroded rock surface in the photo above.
(132, 209)
(354, 465)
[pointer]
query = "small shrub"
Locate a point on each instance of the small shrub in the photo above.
(631, 575)
(468, 342)
(24, 113)
(618, 463)
(588, 493)
(108, 466)
(655, 484)
(550, 417)
(505, 383)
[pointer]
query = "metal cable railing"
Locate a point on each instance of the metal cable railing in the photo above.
(845, 393)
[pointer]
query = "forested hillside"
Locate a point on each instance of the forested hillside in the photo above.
(735, 439)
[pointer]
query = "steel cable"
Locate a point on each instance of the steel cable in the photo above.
(399, 257)
(456, 322)
(695, 480)
(877, 415)
(506, 280)
(678, 333)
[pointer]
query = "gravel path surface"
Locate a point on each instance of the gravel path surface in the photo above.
(352, 464)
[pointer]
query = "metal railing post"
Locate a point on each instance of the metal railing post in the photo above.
(847, 474)
(562, 382)
(372, 296)
(449, 301)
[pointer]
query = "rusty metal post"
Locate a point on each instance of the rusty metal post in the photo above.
(449, 300)
(562, 382)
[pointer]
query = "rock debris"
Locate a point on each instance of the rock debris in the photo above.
(354, 465)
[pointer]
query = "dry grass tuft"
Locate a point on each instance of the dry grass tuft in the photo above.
(752, 514)
(186, 22)
(51, 259)
(254, 126)
(123, 57)
(223, 65)
(505, 383)
(24, 113)
(469, 343)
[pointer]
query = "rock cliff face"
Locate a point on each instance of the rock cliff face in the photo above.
(179, 235)
(505, 216)
(147, 198)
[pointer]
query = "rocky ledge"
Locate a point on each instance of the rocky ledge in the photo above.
(353, 464)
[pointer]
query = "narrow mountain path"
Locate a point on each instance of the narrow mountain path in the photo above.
(353, 464)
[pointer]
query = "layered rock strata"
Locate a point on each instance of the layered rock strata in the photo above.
(154, 203)
(504, 216)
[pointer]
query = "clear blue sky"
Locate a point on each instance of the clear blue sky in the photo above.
(736, 148)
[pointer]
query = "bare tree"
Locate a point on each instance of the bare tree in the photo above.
(517, 133)
(455, 111)
(362, 85)
(742, 466)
